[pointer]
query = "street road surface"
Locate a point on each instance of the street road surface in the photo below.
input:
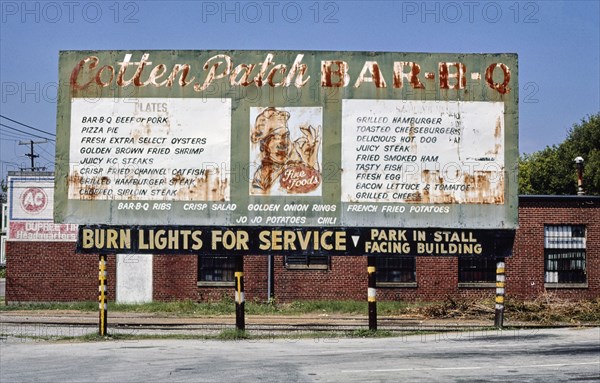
(544, 355)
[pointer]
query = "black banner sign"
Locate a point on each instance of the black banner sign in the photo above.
(287, 241)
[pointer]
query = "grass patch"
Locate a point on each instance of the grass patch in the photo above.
(329, 307)
(95, 337)
(224, 307)
(233, 334)
(180, 308)
(544, 310)
(365, 333)
(76, 306)
(225, 335)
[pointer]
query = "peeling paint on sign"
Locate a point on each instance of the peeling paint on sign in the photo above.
(303, 138)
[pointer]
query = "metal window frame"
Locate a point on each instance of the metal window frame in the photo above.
(405, 273)
(565, 254)
(556, 269)
(227, 269)
(307, 262)
(488, 271)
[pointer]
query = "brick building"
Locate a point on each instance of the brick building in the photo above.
(556, 250)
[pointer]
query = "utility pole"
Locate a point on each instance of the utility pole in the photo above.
(30, 154)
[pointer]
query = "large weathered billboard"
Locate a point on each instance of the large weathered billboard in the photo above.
(285, 138)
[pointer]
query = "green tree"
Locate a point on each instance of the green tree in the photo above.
(552, 170)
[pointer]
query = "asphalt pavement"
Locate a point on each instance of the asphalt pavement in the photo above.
(47, 345)
(530, 356)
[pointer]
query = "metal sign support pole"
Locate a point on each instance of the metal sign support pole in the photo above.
(372, 293)
(270, 279)
(239, 293)
(500, 284)
(102, 293)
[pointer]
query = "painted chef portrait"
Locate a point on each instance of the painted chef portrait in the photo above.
(286, 161)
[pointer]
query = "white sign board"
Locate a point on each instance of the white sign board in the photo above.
(150, 149)
(422, 151)
(30, 211)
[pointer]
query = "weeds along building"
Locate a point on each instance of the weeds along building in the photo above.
(556, 251)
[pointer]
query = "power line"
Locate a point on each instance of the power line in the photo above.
(6, 136)
(47, 152)
(44, 157)
(8, 162)
(29, 134)
(28, 126)
(49, 161)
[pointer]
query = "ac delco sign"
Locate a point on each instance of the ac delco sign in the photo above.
(287, 138)
(33, 200)
(30, 205)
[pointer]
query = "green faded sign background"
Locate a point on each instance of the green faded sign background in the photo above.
(318, 86)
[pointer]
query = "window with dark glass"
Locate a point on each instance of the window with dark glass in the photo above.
(564, 254)
(476, 270)
(306, 261)
(216, 268)
(396, 269)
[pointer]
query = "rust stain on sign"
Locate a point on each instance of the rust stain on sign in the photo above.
(88, 188)
(209, 187)
(498, 129)
(480, 187)
(74, 184)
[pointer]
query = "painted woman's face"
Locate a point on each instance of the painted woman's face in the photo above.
(278, 145)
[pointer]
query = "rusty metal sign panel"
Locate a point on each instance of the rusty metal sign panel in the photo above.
(285, 138)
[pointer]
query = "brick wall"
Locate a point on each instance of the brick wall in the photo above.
(51, 271)
(175, 277)
(345, 279)
(256, 278)
(525, 269)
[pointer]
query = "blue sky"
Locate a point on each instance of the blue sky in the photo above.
(558, 43)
